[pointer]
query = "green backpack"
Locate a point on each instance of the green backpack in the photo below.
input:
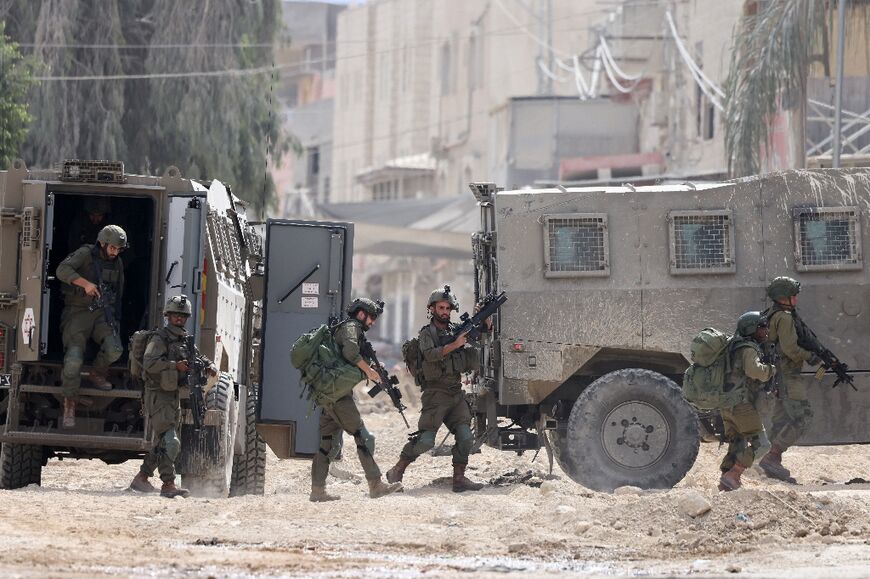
(704, 380)
(413, 358)
(324, 370)
(135, 361)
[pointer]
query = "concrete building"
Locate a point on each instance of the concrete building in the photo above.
(306, 62)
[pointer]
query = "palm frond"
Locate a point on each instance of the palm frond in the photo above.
(769, 66)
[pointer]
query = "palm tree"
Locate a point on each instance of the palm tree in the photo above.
(773, 49)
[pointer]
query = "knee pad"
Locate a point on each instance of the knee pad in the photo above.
(171, 444)
(760, 445)
(425, 441)
(365, 440)
(73, 359)
(464, 438)
(336, 443)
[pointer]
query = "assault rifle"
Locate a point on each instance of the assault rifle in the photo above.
(386, 383)
(107, 302)
(772, 357)
(196, 378)
(474, 325)
(808, 340)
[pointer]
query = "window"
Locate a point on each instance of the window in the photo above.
(827, 238)
(446, 70)
(575, 244)
(701, 242)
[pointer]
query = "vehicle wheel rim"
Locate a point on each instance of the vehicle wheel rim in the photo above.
(635, 435)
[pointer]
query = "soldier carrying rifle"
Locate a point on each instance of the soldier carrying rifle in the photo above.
(165, 368)
(93, 282)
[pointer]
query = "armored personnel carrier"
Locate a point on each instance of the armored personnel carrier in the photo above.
(186, 236)
(608, 285)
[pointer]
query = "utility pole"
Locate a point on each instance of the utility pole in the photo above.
(838, 88)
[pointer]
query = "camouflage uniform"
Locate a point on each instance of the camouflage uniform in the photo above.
(162, 402)
(343, 415)
(443, 399)
(792, 414)
(78, 323)
(744, 430)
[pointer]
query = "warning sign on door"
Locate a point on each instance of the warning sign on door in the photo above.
(310, 302)
(311, 289)
(27, 325)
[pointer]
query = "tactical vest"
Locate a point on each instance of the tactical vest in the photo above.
(738, 386)
(94, 269)
(446, 373)
(176, 350)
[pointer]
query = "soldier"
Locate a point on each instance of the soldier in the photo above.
(444, 361)
(744, 430)
(165, 368)
(792, 414)
(343, 415)
(93, 281)
(87, 224)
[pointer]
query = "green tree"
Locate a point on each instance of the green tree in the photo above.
(15, 80)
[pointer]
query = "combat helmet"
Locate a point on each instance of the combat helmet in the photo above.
(783, 287)
(371, 307)
(178, 305)
(113, 235)
(443, 295)
(748, 323)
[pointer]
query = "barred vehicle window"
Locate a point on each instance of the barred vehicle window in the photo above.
(701, 242)
(576, 244)
(827, 238)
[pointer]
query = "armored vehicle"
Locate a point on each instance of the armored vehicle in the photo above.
(608, 285)
(185, 237)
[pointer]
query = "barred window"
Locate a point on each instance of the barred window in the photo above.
(575, 244)
(701, 242)
(827, 238)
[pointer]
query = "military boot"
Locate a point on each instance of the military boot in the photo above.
(378, 488)
(772, 466)
(461, 483)
(319, 495)
(99, 381)
(396, 473)
(170, 491)
(69, 413)
(730, 480)
(142, 485)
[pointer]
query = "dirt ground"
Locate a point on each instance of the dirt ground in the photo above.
(83, 523)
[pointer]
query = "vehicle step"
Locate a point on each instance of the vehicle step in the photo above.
(58, 391)
(58, 438)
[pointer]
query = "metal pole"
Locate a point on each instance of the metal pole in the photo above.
(838, 88)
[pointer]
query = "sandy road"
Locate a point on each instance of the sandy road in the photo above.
(83, 523)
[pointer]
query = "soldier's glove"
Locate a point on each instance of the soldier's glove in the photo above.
(814, 361)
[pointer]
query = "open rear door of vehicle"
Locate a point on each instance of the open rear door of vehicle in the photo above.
(308, 268)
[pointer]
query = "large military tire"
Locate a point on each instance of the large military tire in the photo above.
(209, 462)
(630, 427)
(249, 469)
(20, 465)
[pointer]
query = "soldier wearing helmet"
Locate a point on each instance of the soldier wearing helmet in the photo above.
(744, 430)
(792, 414)
(164, 371)
(343, 415)
(444, 360)
(87, 223)
(93, 283)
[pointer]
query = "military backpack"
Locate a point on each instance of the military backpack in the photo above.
(325, 372)
(704, 379)
(135, 362)
(413, 358)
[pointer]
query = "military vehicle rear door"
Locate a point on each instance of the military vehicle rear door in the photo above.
(36, 289)
(185, 238)
(307, 283)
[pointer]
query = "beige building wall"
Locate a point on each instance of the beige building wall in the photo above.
(424, 77)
